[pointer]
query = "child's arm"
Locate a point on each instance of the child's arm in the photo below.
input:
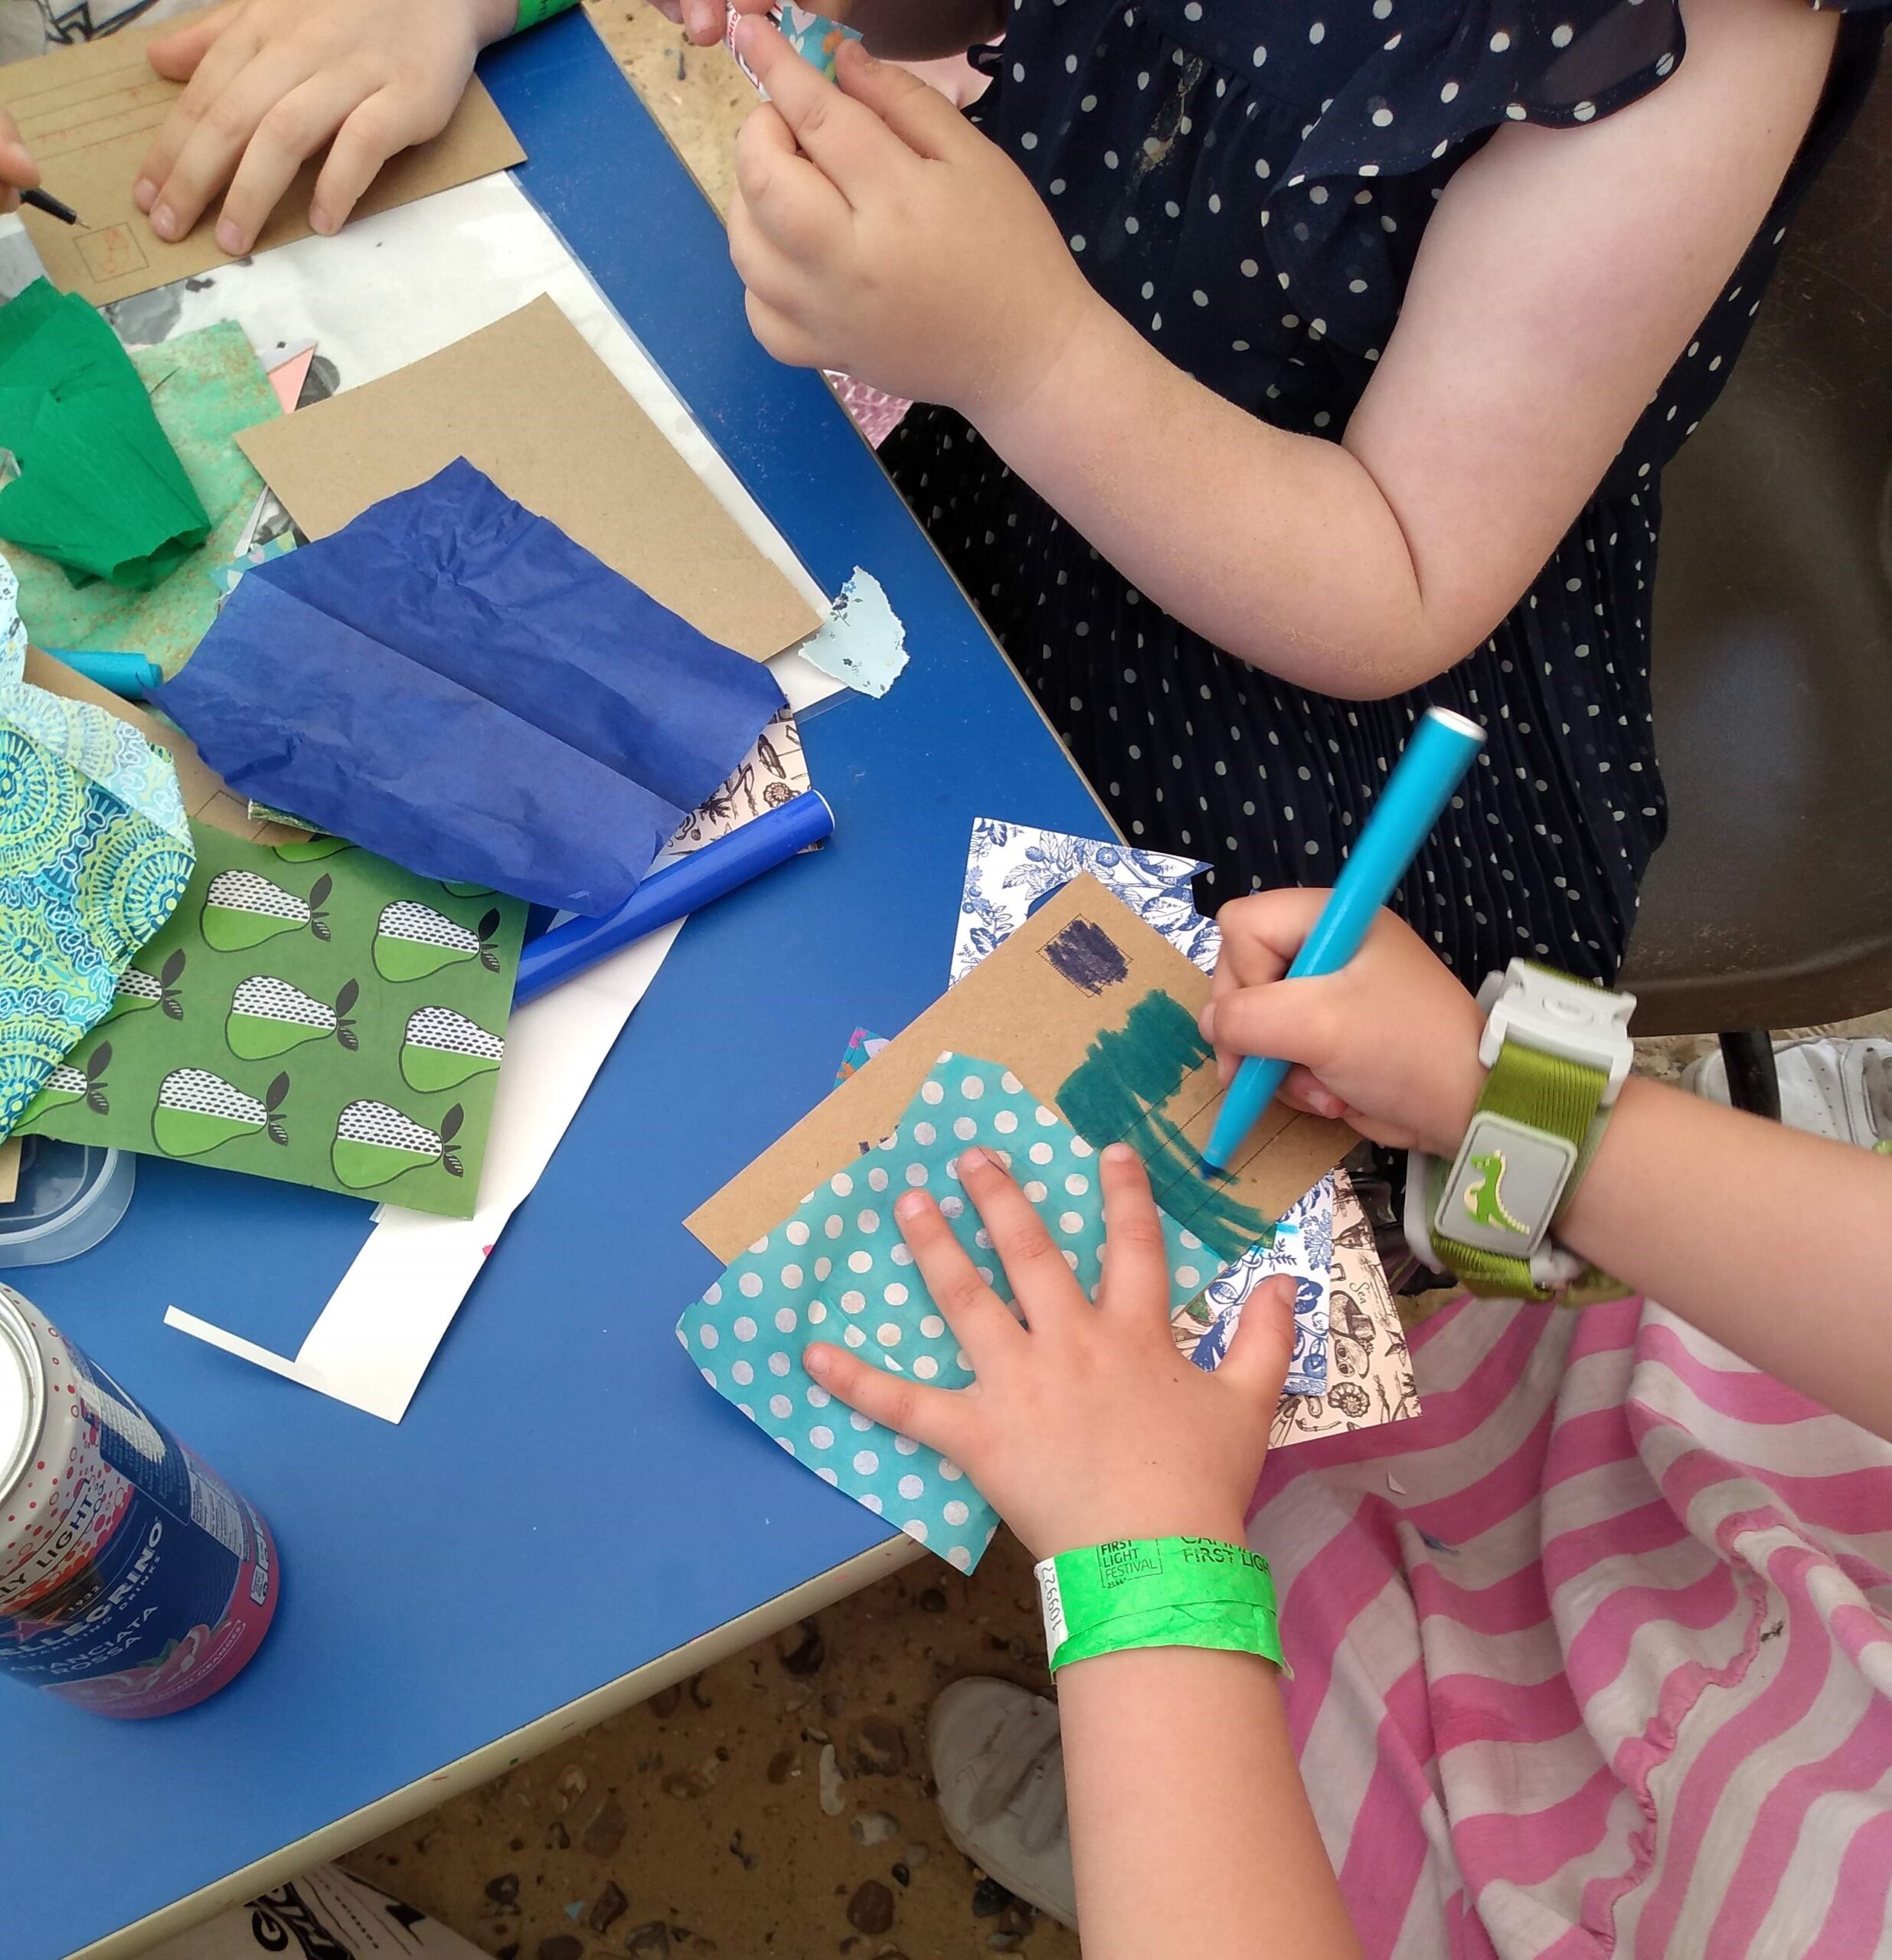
(1558, 280)
(1683, 1199)
(1084, 1426)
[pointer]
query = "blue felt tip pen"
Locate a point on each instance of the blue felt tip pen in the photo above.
(710, 872)
(1433, 766)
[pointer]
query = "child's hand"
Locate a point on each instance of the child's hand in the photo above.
(272, 82)
(1085, 1425)
(704, 21)
(18, 171)
(880, 233)
(1389, 1045)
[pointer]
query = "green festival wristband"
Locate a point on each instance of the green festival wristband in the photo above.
(1157, 1592)
(532, 11)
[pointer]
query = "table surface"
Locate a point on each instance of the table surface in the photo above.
(565, 1503)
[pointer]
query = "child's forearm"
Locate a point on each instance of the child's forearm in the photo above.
(1678, 1203)
(1232, 526)
(921, 30)
(1159, 1743)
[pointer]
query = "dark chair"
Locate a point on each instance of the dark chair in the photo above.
(1770, 904)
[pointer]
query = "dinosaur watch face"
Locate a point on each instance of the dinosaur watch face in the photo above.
(1505, 1185)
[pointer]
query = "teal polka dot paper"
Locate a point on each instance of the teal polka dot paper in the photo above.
(838, 1270)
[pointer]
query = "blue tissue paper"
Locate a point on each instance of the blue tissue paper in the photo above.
(451, 682)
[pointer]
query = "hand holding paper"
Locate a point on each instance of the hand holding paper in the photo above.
(1082, 1426)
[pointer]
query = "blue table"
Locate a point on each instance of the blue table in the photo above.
(567, 1507)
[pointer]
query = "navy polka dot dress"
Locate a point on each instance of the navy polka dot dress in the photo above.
(1249, 184)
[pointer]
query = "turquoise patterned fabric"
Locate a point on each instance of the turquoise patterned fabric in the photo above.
(95, 853)
(839, 1271)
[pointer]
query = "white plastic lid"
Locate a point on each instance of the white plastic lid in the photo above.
(19, 1398)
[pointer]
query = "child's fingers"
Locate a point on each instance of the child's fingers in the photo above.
(851, 146)
(214, 69)
(389, 121)
(302, 122)
(921, 118)
(1303, 1089)
(1263, 1344)
(1042, 1280)
(1262, 933)
(781, 339)
(18, 170)
(788, 199)
(220, 134)
(933, 1416)
(1135, 1261)
(1296, 1019)
(979, 1319)
(176, 55)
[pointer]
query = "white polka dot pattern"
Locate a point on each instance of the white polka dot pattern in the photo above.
(887, 1315)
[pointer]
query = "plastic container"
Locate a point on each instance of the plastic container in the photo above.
(70, 1196)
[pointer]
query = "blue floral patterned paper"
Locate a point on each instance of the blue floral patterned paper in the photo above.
(837, 1270)
(95, 853)
(1303, 1247)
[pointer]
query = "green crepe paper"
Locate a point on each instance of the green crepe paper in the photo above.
(838, 1270)
(313, 1014)
(205, 387)
(100, 491)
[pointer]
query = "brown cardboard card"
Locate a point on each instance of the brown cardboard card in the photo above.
(89, 113)
(1093, 1011)
(528, 402)
(207, 797)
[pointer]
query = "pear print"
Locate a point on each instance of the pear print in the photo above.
(310, 850)
(268, 1017)
(241, 910)
(413, 940)
(375, 1143)
(198, 1112)
(442, 1049)
(138, 990)
(66, 1085)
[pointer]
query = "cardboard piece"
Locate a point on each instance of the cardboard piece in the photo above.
(527, 401)
(1019, 1006)
(9, 1170)
(89, 113)
(206, 800)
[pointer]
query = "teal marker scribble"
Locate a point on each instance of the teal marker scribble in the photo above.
(1117, 1094)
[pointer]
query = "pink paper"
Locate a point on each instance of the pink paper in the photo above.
(287, 380)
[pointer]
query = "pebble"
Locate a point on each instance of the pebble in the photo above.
(608, 1908)
(557, 1838)
(747, 1860)
(873, 1826)
(685, 1783)
(831, 1780)
(782, 1765)
(504, 1891)
(1004, 1943)
(801, 1649)
(561, 1946)
(989, 1899)
(870, 1910)
(916, 1855)
(902, 1876)
(878, 1747)
(834, 1706)
(649, 1942)
(604, 1831)
(663, 1703)
(933, 1600)
(572, 1784)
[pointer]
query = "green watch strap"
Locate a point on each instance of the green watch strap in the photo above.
(1540, 1092)
(1157, 1592)
(532, 11)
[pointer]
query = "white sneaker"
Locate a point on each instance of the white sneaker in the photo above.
(1840, 1089)
(999, 1763)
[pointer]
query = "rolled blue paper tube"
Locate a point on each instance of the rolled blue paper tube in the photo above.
(686, 887)
(1431, 768)
(130, 676)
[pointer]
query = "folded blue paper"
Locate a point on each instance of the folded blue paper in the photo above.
(452, 683)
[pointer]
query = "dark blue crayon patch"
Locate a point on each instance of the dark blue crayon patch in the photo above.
(1087, 957)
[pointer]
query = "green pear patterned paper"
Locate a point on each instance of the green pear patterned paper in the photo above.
(314, 1015)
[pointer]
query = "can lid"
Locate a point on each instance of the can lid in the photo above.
(19, 1395)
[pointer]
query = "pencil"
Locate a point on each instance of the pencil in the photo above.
(43, 200)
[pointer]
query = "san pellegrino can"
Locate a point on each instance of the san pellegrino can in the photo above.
(133, 1580)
